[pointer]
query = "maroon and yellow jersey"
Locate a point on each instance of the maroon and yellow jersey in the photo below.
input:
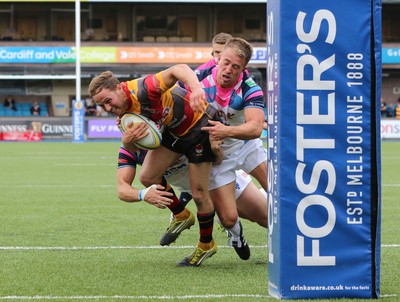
(151, 98)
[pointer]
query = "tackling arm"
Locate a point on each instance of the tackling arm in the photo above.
(126, 192)
(154, 195)
(251, 129)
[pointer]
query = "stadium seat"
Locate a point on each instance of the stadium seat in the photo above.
(8, 112)
(148, 39)
(25, 106)
(187, 39)
(174, 39)
(25, 112)
(161, 39)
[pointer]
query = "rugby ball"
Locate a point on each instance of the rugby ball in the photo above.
(152, 140)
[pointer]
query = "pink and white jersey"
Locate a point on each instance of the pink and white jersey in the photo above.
(231, 102)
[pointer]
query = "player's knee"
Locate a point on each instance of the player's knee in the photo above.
(148, 179)
(199, 196)
(227, 221)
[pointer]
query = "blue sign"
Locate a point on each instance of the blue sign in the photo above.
(323, 91)
(259, 55)
(35, 54)
(78, 121)
(43, 55)
(390, 55)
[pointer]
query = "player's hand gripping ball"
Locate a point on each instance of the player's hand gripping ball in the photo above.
(152, 140)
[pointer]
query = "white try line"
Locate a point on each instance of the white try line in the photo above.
(142, 297)
(76, 248)
(55, 185)
(85, 165)
(94, 185)
(61, 156)
(155, 247)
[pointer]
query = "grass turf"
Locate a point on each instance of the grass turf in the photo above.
(64, 235)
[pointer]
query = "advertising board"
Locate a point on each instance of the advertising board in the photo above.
(323, 90)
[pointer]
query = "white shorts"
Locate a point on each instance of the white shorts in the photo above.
(242, 181)
(178, 177)
(253, 153)
(247, 158)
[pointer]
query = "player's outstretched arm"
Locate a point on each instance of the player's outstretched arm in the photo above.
(154, 195)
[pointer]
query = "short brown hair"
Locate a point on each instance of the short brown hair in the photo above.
(221, 38)
(105, 80)
(241, 47)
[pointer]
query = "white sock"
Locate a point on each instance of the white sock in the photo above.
(235, 231)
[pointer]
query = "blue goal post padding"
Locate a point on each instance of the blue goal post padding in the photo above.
(323, 96)
(78, 121)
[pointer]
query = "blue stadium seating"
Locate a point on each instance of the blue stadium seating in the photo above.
(23, 109)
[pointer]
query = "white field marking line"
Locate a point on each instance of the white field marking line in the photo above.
(389, 295)
(54, 185)
(221, 296)
(390, 245)
(84, 165)
(83, 248)
(52, 156)
(74, 248)
(95, 185)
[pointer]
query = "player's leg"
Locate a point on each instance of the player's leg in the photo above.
(154, 165)
(224, 204)
(198, 150)
(177, 175)
(254, 161)
(260, 174)
(222, 186)
(251, 203)
(199, 174)
(156, 162)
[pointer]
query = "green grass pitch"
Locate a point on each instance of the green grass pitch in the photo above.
(65, 236)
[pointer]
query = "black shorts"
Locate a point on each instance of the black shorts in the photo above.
(195, 145)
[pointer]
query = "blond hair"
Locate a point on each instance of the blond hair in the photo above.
(241, 47)
(105, 80)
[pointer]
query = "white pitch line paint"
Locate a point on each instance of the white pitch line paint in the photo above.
(75, 248)
(192, 297)
(142, 297)
(94, 185)
(55, 185)
(85, 165)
